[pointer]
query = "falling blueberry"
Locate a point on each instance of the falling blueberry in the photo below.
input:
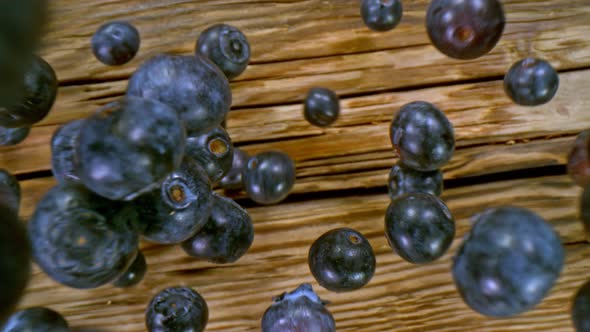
(134, 273)
(63, 151)
(321, 107)
(403, 180)
(381, 15)
(36, 319)
(13, 136)
(115, 43)
(581, 308)
(227, 47)
(531, 82)
(177, 309)
(233, 179)
(269, 177)
(212, 150)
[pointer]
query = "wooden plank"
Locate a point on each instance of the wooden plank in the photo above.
(401, 297)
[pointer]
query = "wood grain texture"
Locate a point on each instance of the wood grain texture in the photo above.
(298, 44)
(401, 297)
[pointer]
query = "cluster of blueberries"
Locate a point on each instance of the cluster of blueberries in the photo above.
(146, 165)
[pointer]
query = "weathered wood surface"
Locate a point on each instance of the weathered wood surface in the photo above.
(298, 44)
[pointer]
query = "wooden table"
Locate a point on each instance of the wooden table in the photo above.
(506, 154)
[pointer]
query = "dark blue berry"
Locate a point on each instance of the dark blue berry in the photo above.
(179, 208)
(192, 85)
(403, 180)
(581, 308)
(38, 96)
(134, 273)
(129, 147)
(36, 319)
(269, 177)
(13, 136)
(381, 15)
(233, 179)
(298, 311)
(585, 209)
(342, 260)
(15, 265)
(212, 150)
(63, 151)
(177, 309)
(508, 262)
(465, 29)
(578, 161)
(423, 136)
(13, 193)
(227, 47)
(321, 107)
(115, 43)
(419, 227)
(225, 237)
(531, 82)
(80, 239)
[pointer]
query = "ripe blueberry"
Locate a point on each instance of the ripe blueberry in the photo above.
(36, 319)
(115, 43)
(63, 151)
(423, 136)
(134, 273)
(177, 309)
(508, 262)
(179, 207)
(269, 177)
(129, 147)
(212, 150)
(80, 239)
(297, 311)
(11, 194)
(465, 29)
(192, 85)
(581, 308)
(403, 180)
(227, 47)
(531, 82)
(419, 227)
(321, 107)
(13, 136)
(381, 15)
(225, 237)
(233, 179)
(342, 260)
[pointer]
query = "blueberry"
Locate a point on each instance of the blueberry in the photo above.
(177, 309)
(192, 85)
(227, 47)
(531, 82)
(423, 136)
(321, 107)
(36, 319)
(585, 209)
(419, 227)
(13, 136)
(15, 265)
(38, 96)
(80, 239)
(134, 273)
(403, 180)
(179, 208)
(342, 260)
(233, 179)
(508, 262)
(128, 148)
(578, 161)
(581, 308)
(212, 150)
(381, 15)
(299, 310)
(225, 237)
(11, 198)
(63, 151)
(115, 43)
(465, 29)
(269, 177)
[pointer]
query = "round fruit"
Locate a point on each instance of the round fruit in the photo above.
(465, 29)
(581, 308)
(269, 177)
(508, 262)
(531, 82)
(227, 47)
(212, 150)
(321, 107)
(423, 136)
(36, 319)
(403, 180)
(419, 227)
(13, 136)
(299, 310)
(177, 309)
(63, 151)
(11, 192)
(342, 260)
(115, 43)
(134, 273)
(233, 179)
(381, 15)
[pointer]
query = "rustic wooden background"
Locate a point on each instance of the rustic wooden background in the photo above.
(506, 154)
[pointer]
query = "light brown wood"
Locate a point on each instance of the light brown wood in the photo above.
(401, 297)
(297, 44)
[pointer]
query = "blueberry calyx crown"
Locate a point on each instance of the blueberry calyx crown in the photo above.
(304, 290)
